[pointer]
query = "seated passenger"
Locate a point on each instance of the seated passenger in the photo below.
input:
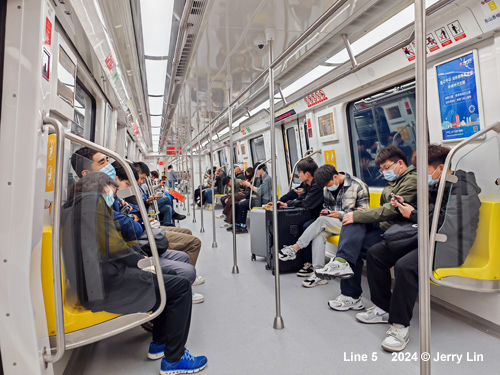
(293, 194)
(462, 217)
(199, 196)
(227, 201)
(312, 195)
(362, 229)
(369, 174)
(238, 172)
(120, 286)
(342, 193)
(262, 195)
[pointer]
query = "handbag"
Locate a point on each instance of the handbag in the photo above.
(401, 237)
(160, 239)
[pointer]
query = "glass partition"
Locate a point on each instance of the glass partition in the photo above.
(476, 171)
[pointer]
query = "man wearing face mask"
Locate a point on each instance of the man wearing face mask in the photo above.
(362, 229)
(342, 193)
(460, 208)
(86, 160)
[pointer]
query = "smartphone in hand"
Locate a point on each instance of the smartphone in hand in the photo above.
(400, 200)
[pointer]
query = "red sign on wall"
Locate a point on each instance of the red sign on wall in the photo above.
(48, 32)
(110, 62)
(316, 98)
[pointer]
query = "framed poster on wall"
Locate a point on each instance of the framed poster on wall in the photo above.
(327, 125)
(460, 100)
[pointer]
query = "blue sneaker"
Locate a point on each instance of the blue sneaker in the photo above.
(156, 351)
(186, 365)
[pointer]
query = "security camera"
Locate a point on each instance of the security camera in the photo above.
(260, 41)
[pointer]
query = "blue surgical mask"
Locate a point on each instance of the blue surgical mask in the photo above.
(333, 187)
(109, 170)
(390, 175)
(430, 180)
(109, 198)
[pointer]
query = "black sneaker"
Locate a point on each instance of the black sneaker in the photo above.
(306, 271)
(177, 216)
(240, 230)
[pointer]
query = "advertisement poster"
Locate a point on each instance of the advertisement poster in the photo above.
(459, 97)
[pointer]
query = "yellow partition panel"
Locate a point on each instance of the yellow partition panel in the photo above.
(75, 317)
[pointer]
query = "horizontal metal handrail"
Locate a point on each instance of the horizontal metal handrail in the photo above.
(307, 155)
(142, 208)
(432, 9)
(253, 179)
(56, 238)
(439, 200)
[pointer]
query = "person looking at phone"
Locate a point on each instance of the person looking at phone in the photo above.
(362, 229)
(312, 195)
(342, 193)
(458, 219)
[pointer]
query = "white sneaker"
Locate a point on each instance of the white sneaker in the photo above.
(197, 298)
(287, 253)
(199, 280)
(373, 316)
(397, 338)
(220, 216)
(313, 281)
(226, 225)
(344, 303)
(335, 269)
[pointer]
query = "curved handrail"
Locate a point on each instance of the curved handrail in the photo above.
(56, 236)
(307, 155)
(253, 180)
(439, 201)
(411, 125)
(142, 209)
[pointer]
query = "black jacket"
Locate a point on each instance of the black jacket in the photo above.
(292, 194)
(311, 198)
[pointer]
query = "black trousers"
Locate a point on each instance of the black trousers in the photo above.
(241, 210)
(223, 200)
(354, 242)
(172, 325)
(400, 303)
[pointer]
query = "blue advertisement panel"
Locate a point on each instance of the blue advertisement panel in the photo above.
(458, 98)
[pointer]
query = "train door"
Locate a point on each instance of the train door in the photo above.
(304, 137)
(292, 147)
(258, 150)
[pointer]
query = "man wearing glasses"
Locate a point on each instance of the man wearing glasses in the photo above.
(364, 228)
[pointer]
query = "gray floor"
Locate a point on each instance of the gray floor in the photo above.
(233, 327)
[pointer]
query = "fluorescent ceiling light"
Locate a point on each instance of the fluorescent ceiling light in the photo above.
(156, 26)
(155, 131)
(224, 131)
(307, 79)
(155, 105)
(389, 27)
(155, 121)
(156, 76)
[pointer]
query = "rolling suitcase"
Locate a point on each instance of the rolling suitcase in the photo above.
(258, 237)
(290, 222)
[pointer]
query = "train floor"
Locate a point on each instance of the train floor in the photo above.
(234, 327)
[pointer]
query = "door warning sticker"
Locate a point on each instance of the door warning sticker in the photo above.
(431, 42)
(409, 52)
(456, 30)
(443, 36)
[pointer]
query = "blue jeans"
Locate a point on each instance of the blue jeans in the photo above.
(166, 208)
(208, 195)
(170, 183)
(354, 242)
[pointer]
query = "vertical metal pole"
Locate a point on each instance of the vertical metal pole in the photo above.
(192, 172)
(209, 108)
(422, 190)
(278, 319)
(233, 208)
(202, 229)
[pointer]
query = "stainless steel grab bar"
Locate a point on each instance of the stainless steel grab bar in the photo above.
(56, 236)
(295, 166)
(439, 200)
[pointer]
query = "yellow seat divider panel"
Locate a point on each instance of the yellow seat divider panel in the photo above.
(483, 261)
(374, 202)
(75, 317)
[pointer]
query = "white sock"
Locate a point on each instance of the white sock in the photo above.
(379, 311)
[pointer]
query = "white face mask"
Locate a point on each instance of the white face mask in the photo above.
(334, 187)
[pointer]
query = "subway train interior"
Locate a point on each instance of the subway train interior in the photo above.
(125, 125)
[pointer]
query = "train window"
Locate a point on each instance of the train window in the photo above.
(293, 151)
(384, 118)
(258, 149)
(85, 108)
